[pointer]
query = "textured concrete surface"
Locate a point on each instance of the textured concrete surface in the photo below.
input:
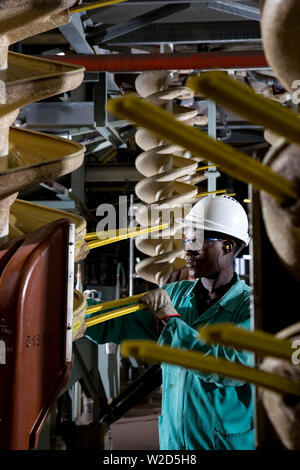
(138, 429)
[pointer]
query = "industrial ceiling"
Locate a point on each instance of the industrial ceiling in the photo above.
(152, 23)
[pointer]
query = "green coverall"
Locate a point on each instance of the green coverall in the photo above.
(200, 411)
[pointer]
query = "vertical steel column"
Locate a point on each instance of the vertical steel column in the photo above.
(256, 282)
(100, 112)
(100, 93)
(131, 249)
(212, 174)
(77, 183)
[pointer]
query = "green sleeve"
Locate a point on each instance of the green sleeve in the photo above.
(178, 334)
(138, 325)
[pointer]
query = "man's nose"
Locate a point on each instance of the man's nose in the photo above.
(190, 252)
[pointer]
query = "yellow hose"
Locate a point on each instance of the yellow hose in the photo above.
(115, 314)
(209, 193)
(111, 304)
(114, 303)
(245, 102)
(97, 239)
(148, 351)
(200, 168)
(259, 342)
(233, 162)
(94, 5)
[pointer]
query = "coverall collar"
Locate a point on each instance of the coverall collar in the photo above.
(228, 302)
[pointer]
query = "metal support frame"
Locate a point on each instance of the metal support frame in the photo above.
(135, 23)
(251, 12)
(100, 112)
(86, 370)
(145, 384)
(75, 35)
(58, 116)
(114, 174)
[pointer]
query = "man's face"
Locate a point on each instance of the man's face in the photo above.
(204, 256)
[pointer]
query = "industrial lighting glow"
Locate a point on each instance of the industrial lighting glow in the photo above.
(247, 201)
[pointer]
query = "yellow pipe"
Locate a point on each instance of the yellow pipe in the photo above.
(101, 158)
(149, 352)
(76, 325)
(259, 342)
(113, 236)
(106, 234)
(109, 158)
(237, 164)
(200, 168)
(208, 193)
(93, 5)
(109, 305)
(245, 102)
(114, 303)
(111, 315)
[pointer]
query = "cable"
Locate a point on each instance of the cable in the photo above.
(94, 5)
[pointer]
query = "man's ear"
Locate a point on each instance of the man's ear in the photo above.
(228, 246)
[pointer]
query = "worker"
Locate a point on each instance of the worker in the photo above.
(200, 411)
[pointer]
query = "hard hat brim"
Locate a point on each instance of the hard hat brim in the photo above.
(206, 224)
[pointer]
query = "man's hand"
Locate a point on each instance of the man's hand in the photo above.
(159, 303)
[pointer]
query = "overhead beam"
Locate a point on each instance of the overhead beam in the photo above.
(136, 23)
(107, 173)
(193, 33)
(251, 12)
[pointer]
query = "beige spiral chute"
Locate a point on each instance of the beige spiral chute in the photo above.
(169, 186)
(284, 415)
(23, 80)
(284, 235)
(280, 33)
(26, 157)
(280, 29)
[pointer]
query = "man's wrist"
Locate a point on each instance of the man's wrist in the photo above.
(166, 318)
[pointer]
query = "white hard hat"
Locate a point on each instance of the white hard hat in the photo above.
(219, 214)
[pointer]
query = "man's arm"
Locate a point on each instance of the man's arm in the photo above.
(139, 325)
(178, 334)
